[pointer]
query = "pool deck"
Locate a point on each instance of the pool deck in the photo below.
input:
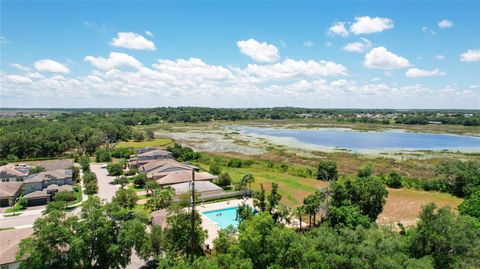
(210, 226)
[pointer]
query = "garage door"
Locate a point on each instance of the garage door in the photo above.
(4, 202)
(37, 201)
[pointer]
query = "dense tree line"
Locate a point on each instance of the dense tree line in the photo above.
(85, 130)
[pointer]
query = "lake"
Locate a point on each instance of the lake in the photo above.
(341, 138)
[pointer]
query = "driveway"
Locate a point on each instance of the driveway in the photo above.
(106, 188)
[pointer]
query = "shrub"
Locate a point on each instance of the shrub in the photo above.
(215, 169)
(138, 136)
(394, 180)
(223, 180)
(65, 196)
(327, 170)
(85, 163)
(122, 153)
(102, 155)
(365, 170)
(75, 173)
(115, 169)
(131, 171)
(140, 180)
(91, 188)
(237, 163)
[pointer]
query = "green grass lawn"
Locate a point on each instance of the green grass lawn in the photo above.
(159, 142)
(292, 188)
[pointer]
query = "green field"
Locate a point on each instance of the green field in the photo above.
(159, 142)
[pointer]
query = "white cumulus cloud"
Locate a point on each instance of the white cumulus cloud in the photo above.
(131, 40)
(20, 67)
(439, 57)
(51, 66)
(381, 58)
(368, 25)
(338, 28)
(415, 73)
(472, 55)
(259, 52)
(445, 24)
(360, 46)
(19, 79)
(114, 60)
(290, 69)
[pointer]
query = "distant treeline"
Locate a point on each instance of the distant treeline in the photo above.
(49, 133)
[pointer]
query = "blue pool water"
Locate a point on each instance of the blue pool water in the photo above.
(373, 140)
(223, 217)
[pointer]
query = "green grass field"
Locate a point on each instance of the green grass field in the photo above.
(159, 142)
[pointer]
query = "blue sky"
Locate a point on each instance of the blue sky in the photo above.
(240, 54)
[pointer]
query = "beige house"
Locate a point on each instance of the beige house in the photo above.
(9, 246)
(147, 154)
(159, 168)
(9, 191)
(184, 176)
(201, 187)
(14, 172)
(39, 187)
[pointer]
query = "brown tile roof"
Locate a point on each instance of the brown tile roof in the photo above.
(9, 243)
(155, 152)
(184, 176)
(200, 187)
(47, 175)
(154, 164)
(8, 189)
(56, 164)
(37, 194)
(11, 170)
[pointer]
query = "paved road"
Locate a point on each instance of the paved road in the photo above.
(106, 188)
(19, 221)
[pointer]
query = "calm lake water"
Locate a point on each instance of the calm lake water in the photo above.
(374, 140)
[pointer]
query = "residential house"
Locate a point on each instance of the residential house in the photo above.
(9, 246)
(39, 187)
(177, 177)
(14, 172)
(159, 168)
(201, 187)
(52, 165)
(144, 155)
(9, 191)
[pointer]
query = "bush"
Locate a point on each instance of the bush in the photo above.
(183, 153)
(365, 170)
(394, 180)
(102, 155)
(223, 180)
(123, 181)
(75, 173)
(131, 171)
(85, 163)
(215, 169)
(64, 196)
(91, 188)
(327, 170)
(138, 136)
(283, 168)
(237, 163)
(115, 169)
(124, 153)
(89, 177)
(140, 180)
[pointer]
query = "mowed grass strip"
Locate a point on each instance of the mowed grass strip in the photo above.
(158, 142)
(292, 188)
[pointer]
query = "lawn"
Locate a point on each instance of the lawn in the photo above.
(292, 188)
(159, 142)
(402, 204)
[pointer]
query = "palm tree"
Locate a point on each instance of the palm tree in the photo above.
(244, 212)
(299, 211)
(248, 179)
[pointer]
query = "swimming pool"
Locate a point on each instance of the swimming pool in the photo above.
(223, 217)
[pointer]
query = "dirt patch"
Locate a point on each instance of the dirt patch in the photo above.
(404, 205)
